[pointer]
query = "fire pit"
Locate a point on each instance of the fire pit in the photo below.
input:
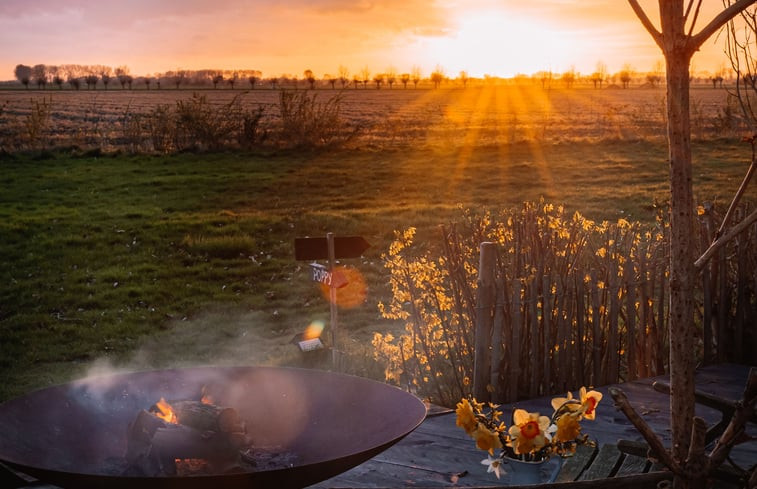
(306, 425)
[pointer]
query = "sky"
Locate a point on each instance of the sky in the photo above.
(481, 37)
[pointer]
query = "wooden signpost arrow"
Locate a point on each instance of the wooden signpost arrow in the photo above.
(331, 247)
(319, 249)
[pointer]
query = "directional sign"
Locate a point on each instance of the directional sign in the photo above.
(318, 248)
(322, 274)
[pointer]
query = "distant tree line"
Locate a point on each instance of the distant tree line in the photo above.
(91, 77)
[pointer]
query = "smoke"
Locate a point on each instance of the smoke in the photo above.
(215, 338)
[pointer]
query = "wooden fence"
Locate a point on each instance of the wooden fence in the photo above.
(572, 322)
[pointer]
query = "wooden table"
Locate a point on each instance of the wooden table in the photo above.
(439, 454)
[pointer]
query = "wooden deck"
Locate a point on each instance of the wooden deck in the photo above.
(439, 454)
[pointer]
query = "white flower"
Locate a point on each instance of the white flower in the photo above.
(495, 465)
(549, 432)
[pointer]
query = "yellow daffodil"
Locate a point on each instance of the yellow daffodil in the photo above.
(568, 427)
(528, 431)
(589, 401)
(466, 418)
(567, 403)
(486, 439)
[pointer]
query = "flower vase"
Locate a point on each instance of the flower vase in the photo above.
(524, 473)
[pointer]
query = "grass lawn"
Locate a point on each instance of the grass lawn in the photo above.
(150, 261)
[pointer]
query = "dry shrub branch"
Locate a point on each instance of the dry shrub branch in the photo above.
(577, 303)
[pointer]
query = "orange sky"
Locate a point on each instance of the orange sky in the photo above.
(499, 38)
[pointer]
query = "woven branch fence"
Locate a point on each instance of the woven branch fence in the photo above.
(535, 302)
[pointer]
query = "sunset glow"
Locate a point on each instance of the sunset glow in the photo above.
(498, 38)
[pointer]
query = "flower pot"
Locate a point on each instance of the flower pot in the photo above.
(523, 473)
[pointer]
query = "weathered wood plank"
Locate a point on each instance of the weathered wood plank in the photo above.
(574, 466)
(633, 465)
(605, 464)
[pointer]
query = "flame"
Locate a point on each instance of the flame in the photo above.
(206, 398)
(166, 412)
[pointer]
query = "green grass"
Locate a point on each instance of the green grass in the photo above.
(154, 261)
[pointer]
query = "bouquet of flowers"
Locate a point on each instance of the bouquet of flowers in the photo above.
(531, 437)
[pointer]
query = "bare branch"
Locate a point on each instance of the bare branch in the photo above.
(656, 35)
(744, 410)
(719, 21)
(739, 192)
(696, 15)
(721, 241)
(656, 447)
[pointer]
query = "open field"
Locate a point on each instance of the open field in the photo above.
(389, 118)
(149, 261)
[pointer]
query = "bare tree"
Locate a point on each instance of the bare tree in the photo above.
(678, 44)
(232, 79)
(740, 48)
(378, 79)
(310, 78)
(343, 76)
(106, 74)
(437, 76)
(217, 78)
(123, 76)
(23, 74)
(404, 78)
(39, 75)
(365, 75)
(625, 75)
(254, 78)
(57, 73)
(416, 75)
(545, 77)
(569, 78)
(391, 76)
(599, 76)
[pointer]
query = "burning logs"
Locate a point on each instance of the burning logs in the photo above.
(183, 436)
(208, 417)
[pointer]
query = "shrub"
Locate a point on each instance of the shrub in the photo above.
(551, 255)
(37, 122)
(307, 123)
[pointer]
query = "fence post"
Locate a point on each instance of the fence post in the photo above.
(517, 328)
(498, 334)
(484, 305)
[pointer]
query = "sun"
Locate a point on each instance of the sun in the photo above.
(499, 43)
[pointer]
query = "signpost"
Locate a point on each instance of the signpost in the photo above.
(331, 247)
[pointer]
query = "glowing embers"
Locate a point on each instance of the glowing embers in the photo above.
(194, 437)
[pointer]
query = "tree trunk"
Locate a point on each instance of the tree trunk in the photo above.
(682, 271)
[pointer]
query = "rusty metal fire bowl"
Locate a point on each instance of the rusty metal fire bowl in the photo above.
(69, 435)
